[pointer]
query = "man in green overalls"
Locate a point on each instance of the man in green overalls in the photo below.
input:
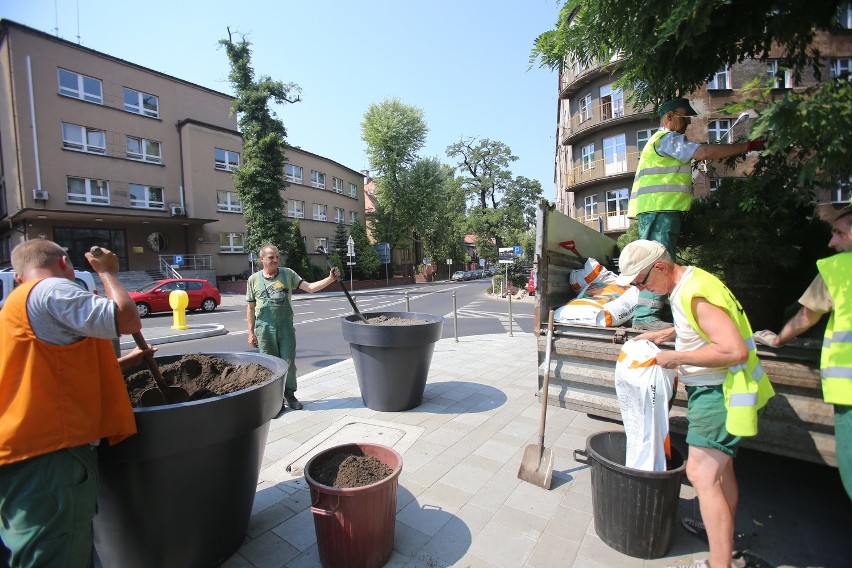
(270, 315)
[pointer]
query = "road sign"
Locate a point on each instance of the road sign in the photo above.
(427, 260)
(351, 263)
(178, 260)
(383, 250)
(252, 257)
(482, 262)
(350, 244)
(505, 255)
(449, 261)
(517, 250)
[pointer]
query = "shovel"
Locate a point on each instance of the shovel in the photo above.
(163, 393)
(537, 465)
(342, 285)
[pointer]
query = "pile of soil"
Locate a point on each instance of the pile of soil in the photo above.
(202, 376)
(349, 469)
(385, 320)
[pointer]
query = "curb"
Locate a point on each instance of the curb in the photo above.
(161, 335)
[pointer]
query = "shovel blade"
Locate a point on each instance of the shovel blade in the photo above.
(537, 466)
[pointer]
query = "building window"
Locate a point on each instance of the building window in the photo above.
(229, 201)
(321, 242)
(146, 197)
(585, 108)
(719, 131)
(588, 157)
(843, 193)
(80, 87)
(615, 155)
(317, 179)
(297, 209)
(141, 103)
(353, 217)
(720, 80)
(231, 242)
(612, 103)
(82, 139)
(337, 183)
(227, 160)
(839, 67)
(779, 77)
(320, 212)
(339, 215)
(85, 190)
(144, 149)
(642, 137)
(293, 173)
(590, 206)
(714, 183)
(616, 209)
(353, 190)
(846, 17)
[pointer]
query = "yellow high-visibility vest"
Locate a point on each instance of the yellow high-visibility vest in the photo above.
(662, 183)
(836, 361)
(746, 386)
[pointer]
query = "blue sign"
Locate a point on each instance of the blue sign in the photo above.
(178, 260)
(517, 250)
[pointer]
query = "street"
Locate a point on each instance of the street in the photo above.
(316, 317)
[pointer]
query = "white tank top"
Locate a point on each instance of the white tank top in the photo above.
(689, 340)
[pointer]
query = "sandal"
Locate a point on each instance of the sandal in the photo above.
(694, 527)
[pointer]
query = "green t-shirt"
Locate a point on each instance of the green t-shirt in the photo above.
(261, 289)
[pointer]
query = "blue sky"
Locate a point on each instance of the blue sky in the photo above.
(464, 63)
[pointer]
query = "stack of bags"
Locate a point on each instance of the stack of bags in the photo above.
(600, 301)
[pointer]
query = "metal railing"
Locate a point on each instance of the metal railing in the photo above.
(168, 267)
(603, 167)
(598, 113)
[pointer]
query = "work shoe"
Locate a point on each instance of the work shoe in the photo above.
(653, 325)
(694, 527)
(292, 402)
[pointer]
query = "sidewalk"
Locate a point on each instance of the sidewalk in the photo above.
(460, 502)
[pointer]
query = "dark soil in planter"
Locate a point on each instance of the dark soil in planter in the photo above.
(348, 470)
(201, 375)
(384, 320)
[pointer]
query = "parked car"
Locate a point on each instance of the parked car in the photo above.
(154, 297)
(7, 282)
(480, 273)
(468, 275)
(457, 275)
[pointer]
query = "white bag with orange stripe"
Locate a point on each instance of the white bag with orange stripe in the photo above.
(592, 272)
(601, 305)
(644, 390)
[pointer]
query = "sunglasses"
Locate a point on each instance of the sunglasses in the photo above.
(647, 274)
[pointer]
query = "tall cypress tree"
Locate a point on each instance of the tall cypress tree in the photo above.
(260, 178)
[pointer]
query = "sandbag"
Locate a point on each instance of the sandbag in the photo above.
(644, 389)
(591, 273)
(601, 305)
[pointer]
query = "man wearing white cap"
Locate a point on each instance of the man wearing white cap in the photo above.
(717, 362)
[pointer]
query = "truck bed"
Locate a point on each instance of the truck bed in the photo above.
(796, 422)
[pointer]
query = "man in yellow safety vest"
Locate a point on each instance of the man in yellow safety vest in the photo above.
(726, 385)
(662, 190)
(830, 292)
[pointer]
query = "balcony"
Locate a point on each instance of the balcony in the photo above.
(574, 78)
(597, 117)
(611, 222)
(621, 166)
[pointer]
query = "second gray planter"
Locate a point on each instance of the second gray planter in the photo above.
(392, 361)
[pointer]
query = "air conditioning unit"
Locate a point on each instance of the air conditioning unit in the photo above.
(40, 194)
(178, 211)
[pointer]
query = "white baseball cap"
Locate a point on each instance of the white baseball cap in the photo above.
(636, 257)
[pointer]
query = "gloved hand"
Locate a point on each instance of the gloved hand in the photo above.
(765, 337)
(753, 145)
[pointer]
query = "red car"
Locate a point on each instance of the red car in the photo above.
(154, 297)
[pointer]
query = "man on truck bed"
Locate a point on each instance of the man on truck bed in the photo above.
(829, 292)
(662, 190)
(717, 361)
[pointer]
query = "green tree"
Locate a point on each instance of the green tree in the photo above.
(394, 133)
(671, 47)
(297, 253)
(260, 178)
(339, 240)
(501, 206)
(442, 223)
(366, 257)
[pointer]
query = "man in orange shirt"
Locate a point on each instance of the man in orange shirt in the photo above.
(61, 391)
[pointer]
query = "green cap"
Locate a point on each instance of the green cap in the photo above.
(677, 103)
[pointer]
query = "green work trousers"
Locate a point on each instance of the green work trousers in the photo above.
(843, 441)
(663, 227)
(47, 504)
(276, 335)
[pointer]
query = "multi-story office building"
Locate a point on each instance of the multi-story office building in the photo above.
(600, 137)
(95, 150)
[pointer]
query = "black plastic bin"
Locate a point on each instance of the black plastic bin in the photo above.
(634, 510)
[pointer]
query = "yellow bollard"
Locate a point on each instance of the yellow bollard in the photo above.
(179, 300)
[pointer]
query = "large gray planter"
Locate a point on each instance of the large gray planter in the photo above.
(392, 361)
(179, 493)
